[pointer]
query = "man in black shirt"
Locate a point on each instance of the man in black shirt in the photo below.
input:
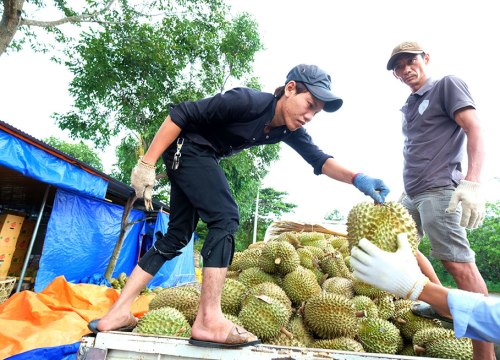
(192, 140)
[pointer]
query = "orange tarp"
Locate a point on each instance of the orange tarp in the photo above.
(56, 316)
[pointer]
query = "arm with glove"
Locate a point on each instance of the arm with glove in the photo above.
(469, 192)
(474, 315)
(144, 173)
(375, 188)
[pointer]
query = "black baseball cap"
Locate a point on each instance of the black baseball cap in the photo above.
(318, 82)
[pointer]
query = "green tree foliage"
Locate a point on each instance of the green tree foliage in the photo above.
(485, 241)
(79, 151)
(336, 216)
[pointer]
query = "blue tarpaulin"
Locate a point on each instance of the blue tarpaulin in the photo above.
(80, 238)
(82, 233)
(36, 163)
(179, 270)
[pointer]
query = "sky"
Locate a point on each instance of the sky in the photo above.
(352, 40)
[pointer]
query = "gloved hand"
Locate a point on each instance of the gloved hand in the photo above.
(375, 188)
(469, 193)
(397, 273)
(143, 178)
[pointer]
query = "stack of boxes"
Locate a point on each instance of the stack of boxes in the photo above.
(10, 228)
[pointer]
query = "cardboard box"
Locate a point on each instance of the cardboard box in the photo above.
(17, 261)
(5, 260)
(25, 235)
(10, 227)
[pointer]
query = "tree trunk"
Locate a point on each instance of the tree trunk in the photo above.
(11, 18)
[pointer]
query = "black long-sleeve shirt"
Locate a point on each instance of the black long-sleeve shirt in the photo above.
(235, 120)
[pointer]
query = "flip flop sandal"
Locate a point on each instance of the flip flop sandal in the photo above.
(92, 325)
(237, 338)
(426, 311)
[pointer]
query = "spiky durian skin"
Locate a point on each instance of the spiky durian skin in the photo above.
(330, 316)
(340, 343)
(248, 259)
(386, 307)
(180, 298)
(300, 285)
(381, 224)
(297, 327)
(264, 316)
(450, 348)
(378, 336)
(409, 323)
(425, 336)
(283, 340)
(271, 290)
(279, 257)
(254, 276)
(164, 321)
(232, 295)
(339, 285)
(364, 303)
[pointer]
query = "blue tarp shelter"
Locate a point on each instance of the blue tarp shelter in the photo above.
(84, 225)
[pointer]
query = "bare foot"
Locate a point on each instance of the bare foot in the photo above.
(113, 322)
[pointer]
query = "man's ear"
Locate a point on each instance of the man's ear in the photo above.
(397, 77)
(290, 87)
(426, 59)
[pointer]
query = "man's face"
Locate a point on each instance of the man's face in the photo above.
(299, 109)
(410, 69)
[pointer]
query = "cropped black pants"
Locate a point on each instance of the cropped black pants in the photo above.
(199, 189)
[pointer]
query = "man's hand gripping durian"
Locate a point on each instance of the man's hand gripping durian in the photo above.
(397, 273)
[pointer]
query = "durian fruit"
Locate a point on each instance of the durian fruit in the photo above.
(407, 350)
(232, 295)
(249, 258)
(361, 288)
(330, 316)
(290, 237)
(409, 323)
(264, 316)
(339, 285)
(316, 251)
(285, 338)
(235, 263)
(381, 224)
(306, 257)
(254, 276)
(365, 304)
(450, 348)
(184, 299)
(300, 285)
(278, 257)
(386, 307)
(333, 264)
(340, 343)
(234, 319)
(312, 238)
(297, 327)
(269, 289)
(379, 336)
(164, 321)
(425, 336)
(340, 244)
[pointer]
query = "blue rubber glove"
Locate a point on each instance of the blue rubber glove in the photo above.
(375, 188)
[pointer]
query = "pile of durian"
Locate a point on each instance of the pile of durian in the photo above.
(297, 289)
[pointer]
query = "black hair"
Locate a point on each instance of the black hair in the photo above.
(299, 87)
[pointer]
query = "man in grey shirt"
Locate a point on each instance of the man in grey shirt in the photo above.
(438, 117)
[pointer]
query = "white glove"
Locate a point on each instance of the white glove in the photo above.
(397, 273)
(143, 178)
(469, 193)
